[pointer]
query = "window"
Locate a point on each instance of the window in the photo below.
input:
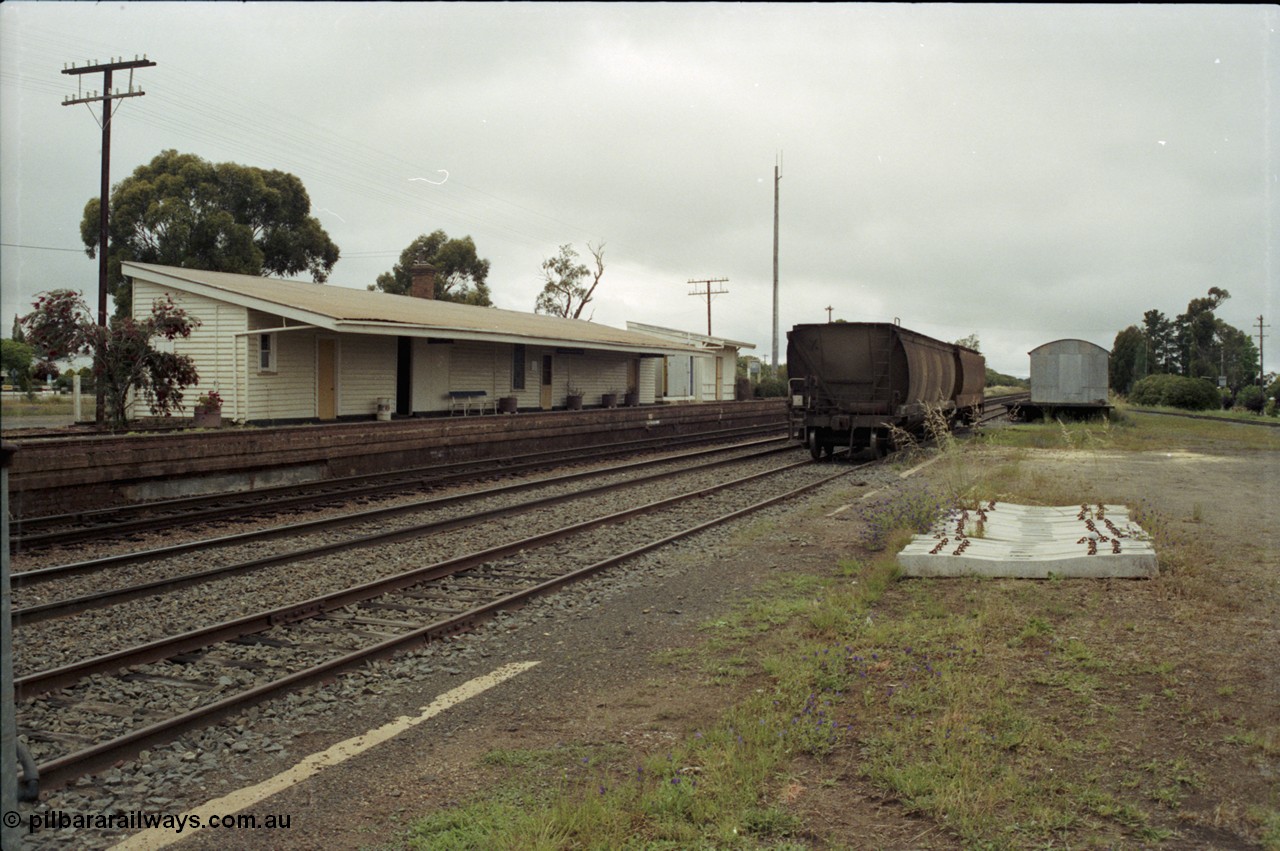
(517, 367)
(266, 352)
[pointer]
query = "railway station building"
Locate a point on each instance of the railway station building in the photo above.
(709, 375)
(280, 351)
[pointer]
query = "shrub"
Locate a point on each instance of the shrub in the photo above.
(1251, 398)
(769, 388)
(1175, 391)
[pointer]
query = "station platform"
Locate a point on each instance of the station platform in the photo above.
(53, 475)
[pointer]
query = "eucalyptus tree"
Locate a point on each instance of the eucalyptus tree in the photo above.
(565, 291)
(181, 210)
(461, 273)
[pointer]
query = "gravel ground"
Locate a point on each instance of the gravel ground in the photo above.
(58, 642)
(266, 739)
(597, 680)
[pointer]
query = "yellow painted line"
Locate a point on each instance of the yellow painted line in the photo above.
(875, 491)
(241, 799)
(917, 468)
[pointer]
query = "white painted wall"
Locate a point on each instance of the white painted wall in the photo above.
(289, 391)
(226, 354)
(366, 372)
(212, 345)
(431, 365)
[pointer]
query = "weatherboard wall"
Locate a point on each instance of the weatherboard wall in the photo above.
(366, 373)
(227, 350)
(212, 344)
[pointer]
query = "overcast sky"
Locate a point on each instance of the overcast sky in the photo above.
(1023, 173)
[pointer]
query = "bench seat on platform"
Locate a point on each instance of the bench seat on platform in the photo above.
(463, 401)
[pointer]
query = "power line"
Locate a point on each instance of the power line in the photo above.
(185, 104)
(184, 101)
(40, 247)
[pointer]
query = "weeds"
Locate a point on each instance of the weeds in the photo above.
(1008, 714)
(915, 508)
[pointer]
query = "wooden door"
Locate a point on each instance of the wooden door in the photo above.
(404, 376)
(326, 380)
(546, 398)
(719, 378)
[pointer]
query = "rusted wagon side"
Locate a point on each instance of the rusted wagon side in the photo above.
(853, 381)
(971, 384)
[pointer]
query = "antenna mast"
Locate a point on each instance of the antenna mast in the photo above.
(777, 178)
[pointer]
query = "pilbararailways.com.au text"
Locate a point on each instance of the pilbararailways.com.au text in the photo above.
(141, 820)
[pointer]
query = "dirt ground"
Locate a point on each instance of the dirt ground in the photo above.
(602, 678)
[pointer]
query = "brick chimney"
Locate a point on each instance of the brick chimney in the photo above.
(423, 277)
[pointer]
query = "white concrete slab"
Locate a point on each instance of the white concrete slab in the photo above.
(1033, 542)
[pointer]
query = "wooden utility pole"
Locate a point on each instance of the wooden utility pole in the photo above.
(777, 178)
(708, 292)
(106, 97)
(829, 308)
(1262, 363)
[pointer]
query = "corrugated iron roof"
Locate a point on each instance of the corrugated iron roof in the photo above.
(345, 309)
(688, 336)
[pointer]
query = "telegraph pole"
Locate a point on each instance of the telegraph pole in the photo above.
(777, 178)
(1262, 363)
(108, 95)
(708, 292)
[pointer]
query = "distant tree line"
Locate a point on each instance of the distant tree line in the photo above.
(1195, 346)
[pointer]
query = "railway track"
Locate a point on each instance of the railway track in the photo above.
(191, 679)
(369, 530)
(121, 521)
(992, 403)
(1188, 415)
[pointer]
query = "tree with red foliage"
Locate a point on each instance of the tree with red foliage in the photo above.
(124, 357)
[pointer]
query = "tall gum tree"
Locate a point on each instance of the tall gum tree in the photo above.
(564, 288)
(181, 210)
(461, 274)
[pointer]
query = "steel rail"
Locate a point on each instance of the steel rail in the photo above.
(1011, 397)
(245, 502)
(57, 772)
(46, 574)
(1192, 416)
(76, 605)
(42, 682)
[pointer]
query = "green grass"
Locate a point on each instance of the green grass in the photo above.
(704, 792)
(1000, 711)
(1233, 414)
(45, 405)
(1129, 430)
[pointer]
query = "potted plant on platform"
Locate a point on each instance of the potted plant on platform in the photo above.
(208, 412)
(632, 397)
(573, 398)
(609, 400)
(508, 404)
